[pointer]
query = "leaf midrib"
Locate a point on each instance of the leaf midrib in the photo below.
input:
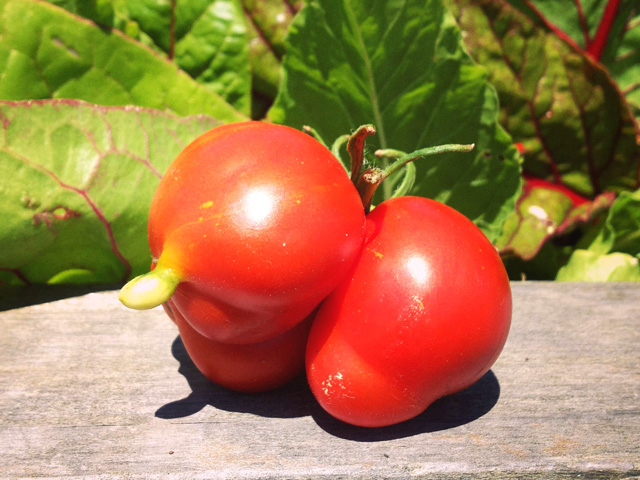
(377, 115)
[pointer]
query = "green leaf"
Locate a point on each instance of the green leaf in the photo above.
(587, 266)
(575, 126)
(611, 251)
(268, 23)
(210, 42)
(76, 181)
(623, 61)
(581, 22)
(620, 231)
(400, 66)
(46, 52)
(542, 214)
(577, 20)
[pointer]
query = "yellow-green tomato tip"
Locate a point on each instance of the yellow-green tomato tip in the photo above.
(149, 290)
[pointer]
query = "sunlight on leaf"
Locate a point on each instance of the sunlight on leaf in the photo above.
(401, 66)
(76, 181)
(46, 52)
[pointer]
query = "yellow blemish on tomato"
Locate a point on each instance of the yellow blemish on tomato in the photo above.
(200, 219)
(418, 302)
(378, 254)
(208, 204)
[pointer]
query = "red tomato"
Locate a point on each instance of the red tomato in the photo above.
(259, 222)
(250, 368)
(424, 313)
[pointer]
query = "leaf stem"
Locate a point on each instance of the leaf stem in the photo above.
(371, 178)
(597, 46)
(314, 133)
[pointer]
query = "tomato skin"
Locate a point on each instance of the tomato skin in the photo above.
(247, 368)
(424, 313)
(261, 222)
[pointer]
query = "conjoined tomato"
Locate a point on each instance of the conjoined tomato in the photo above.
(424, 313)
(252, 225)
(250, 368)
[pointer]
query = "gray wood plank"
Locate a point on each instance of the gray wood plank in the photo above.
(90, 389)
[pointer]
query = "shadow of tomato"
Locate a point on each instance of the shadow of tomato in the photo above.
(296, 400)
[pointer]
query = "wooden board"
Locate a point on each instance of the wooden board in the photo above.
(90, 389)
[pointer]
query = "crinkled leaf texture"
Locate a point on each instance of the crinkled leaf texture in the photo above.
(612, 250)
(210, 42)
(47, 52)
(76, 182)
(613, 40)
(542, 214)
(268, 23)
(400, 66)
(575, 126)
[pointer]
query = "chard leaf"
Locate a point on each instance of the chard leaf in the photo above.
(209, 42)
(268, 23)
(575, 126)
(609, 31)
(544, 213)
(401, 66)
(76, 181)
(612, 250)
(620, 231)
(47, 52)
(587, 266)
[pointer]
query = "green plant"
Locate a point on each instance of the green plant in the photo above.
(98, 97)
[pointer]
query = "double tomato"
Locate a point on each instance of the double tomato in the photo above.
(265, 260)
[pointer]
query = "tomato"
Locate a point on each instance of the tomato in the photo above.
(255, 223)
(249, 368)
(424, 313)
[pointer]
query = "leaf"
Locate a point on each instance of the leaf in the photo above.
(620, 231)
(400, 66)
(76, 181)
(609, 30)
(623, 62)
(611, 251)
(268, 23)
(46, 52)
(587, 266)
(578, 20)
(542, 214)
(576, 128)
(210, 42)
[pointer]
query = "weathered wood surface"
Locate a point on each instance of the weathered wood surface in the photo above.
(90, 389)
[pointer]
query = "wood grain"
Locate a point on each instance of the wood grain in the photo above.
(90, 389)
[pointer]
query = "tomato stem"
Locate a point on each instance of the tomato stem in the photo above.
(372, 177)
(426, 152)
(355, 148)
(367, 184)
(150, 290)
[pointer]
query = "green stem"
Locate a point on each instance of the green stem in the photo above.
(314, 133)
(408, 179)
(425, 152)
(371, 178)
(151, 289)
(335, 149)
